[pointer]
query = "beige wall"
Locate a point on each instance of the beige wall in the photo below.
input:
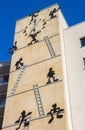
(38, 60)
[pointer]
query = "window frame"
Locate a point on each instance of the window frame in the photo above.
(81, 41)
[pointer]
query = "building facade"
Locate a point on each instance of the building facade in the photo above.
(74, 41)
(4, 76)
(44, 82)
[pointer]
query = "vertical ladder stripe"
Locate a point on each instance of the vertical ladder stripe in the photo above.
(18, 80)
(38, 100)
(50, 48)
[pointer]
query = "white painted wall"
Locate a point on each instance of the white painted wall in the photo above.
(63, 26)
(75, 73)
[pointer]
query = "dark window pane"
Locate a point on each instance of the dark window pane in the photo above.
(6, 77)
(1, 79)
(82, 42)
(1, 120)
(2, 102)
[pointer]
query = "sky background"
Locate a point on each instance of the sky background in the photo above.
(12, 10)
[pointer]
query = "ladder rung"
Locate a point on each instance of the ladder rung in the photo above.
(18, 79)
(16, 83)
(36, 89)
(40, 108)
(38, 97)
(41, 112)
(37, 92)
(39, 103)
(20, 75)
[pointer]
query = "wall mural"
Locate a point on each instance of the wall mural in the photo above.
(35, 23)
(52, 13)
(51, 75)
(19, 63)
(55, 111)
(33, 36)
(23, 118)
(14, 48)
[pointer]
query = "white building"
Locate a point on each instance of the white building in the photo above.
(74, 63)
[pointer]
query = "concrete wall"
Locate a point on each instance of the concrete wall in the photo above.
(76, 74)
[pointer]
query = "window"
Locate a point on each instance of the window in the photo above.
(2, 102)
(84, 61)
(1, 79)
(2, 99)
(1, 120)
(4, 78)
(82, 42)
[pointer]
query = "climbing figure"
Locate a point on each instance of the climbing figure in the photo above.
(11, 50)
(25, 31)
(33, 36)
(19, 63)
(33, 16)
(52, 13)
(50, 75)
(44, 23)
(23, 118)
(55, 110)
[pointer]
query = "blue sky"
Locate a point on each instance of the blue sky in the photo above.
(12, 10)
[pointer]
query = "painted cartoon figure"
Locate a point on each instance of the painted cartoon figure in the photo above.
(33, 36)
(23, 118)
(19, 63)
(11, 50)
(55, 110)
(50, 76)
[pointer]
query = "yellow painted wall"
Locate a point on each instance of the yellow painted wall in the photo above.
(38, 60)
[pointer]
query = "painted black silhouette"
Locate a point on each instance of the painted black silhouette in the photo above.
(11, 50)
(50, 76)
(55, 111)
(33, 16)
(44, 23)
(25, 31)
(19, 63)
(35, 25)
(52, 13)
(23, 119)
(33, 36)
(34, 28)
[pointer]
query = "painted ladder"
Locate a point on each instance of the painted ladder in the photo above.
(48, 43)
(18, 80)
(38, 100)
